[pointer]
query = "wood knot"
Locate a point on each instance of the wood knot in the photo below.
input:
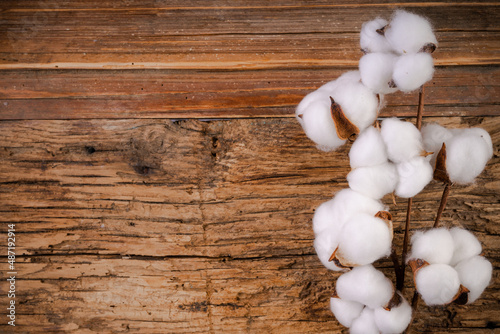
(143, 169)
(90, 149)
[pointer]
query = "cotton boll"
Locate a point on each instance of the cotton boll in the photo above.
(364, 239)
(376, 72)
(334, 213)
(325, 244)
(359, 104)
(374, 181)
(345, 310)
(413, 176)
(402, 139)
(365, 323)
(396, 320)
(466, 245)
(433, 136)
(372, 41)
(313, 113)
(368, 149)
(408, 32)
(434, 246)
(466, 157)
(412, 71)
(437, 284)
(475, 275)
(365, 285)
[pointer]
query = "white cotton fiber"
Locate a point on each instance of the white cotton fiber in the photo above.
(475, 275)
(478, 132)
(368, 149)
(413, 176)
(370, 40)
(376, 72)
(394, 321)
(365, 323)
(465, 243)
(408, 32)
(325, 244)
(351, 202)
(434, 246)
(365, 239)
(365, 285)
(313, 114)
(326, 217)
(412, 71)
(402, 139)
(334, 213)
(347, 78)
(466, 156)
(345, 310)
(433, 136)
(374, 181)
(437, 284)
(359, 104)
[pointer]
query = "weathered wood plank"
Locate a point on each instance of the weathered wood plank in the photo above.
(199, 296)
(241, 36)
(173, 174)
(156, 226)
(454, 91)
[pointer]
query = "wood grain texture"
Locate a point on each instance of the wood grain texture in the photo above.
(188, 226)
(454, 91)
(157, 179)
(204, 59)
(239, 36)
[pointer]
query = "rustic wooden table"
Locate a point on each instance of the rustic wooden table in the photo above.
(158, 182)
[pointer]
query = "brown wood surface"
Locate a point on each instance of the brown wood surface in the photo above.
(157, 179)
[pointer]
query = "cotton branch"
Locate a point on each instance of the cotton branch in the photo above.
(442, 204)
(401, 276)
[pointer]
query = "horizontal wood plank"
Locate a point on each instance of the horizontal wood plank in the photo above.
(243, 36)
(454, 91)
(189, 226)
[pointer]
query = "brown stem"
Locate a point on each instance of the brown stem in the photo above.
(420, 110)
(442, 205)
(401, 281)
(397, 267)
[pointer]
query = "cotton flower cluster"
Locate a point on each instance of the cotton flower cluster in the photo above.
(350, 231)
(447, 266)
(405, 148)
(397, 53)
(397, 58)
(392, 159)
(354, 228)
(366, 302)
(356, 102)
(467, 150)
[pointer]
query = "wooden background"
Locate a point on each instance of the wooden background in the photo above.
(158, 182)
